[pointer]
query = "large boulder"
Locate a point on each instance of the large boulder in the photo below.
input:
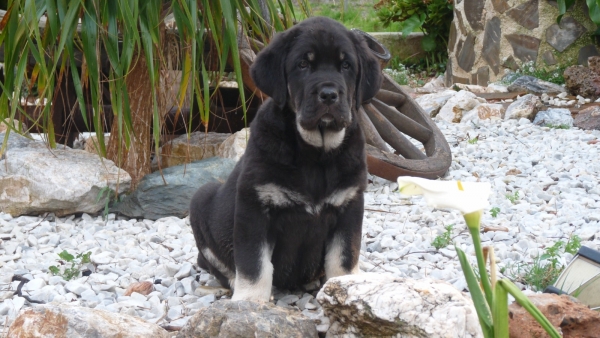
(526, 106)
(198, 146)
(34, 179)
(227, 318)
(533, 85)
(588, 118)
(73, 321)
(485, 111)
(376, 305)
(168, 192)
(583, 81)
(554, 117)
(459, 104)
(573, 319)
(431, 103)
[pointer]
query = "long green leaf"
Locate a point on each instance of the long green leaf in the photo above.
(522, 299)
(479, 301)
(500, 312)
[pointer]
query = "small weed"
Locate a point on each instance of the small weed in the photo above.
(554, 76)
(494, 211)
(443, 240)
(101, 195)
(473, 140)
(545, 269)
(76, 263)
(513, 198)
(558, 126)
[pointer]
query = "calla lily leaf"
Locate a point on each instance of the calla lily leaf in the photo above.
(466, 197)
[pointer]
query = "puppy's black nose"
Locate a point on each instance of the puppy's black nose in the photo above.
(328, 95)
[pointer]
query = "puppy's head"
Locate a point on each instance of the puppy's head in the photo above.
(322, 71)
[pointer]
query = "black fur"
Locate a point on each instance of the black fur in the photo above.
(232, 221)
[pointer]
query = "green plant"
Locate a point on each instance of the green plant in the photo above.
(592, 5)
(444, 239)
(558, 126)
(432, 17)
(494, 211)
(545, 268)
(108, 191)
(126, 46)
(473, 140)
(490, 295)
(363, 17)
(70, 272)
(554, 75)
(513, 198)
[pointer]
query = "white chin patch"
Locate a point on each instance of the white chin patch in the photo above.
(328, 141)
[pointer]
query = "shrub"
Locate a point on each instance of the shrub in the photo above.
(432, 17)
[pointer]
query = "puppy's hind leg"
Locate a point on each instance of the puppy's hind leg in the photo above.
(201, 208)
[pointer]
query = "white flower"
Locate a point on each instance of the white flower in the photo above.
(467, 197)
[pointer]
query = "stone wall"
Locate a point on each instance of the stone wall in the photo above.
(490, 37)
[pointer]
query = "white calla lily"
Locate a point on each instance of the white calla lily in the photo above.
(467, 197)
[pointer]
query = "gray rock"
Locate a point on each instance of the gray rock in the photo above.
(525, 47)
(475, 13)
(554, 117)
(235, 145)
(524, 107)
(457, 106)
(376, 305)
(526, 14)
(534, 85)
(153, 199)
(431, 103)
(73, 321)
(226, 318)
(549, 58)
(33, 179)
(562, 36)
(466, 56)
(199, 146)
(585, 52)
(588, 119)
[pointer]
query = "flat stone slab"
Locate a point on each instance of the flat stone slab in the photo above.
(526, 14)
(525, 47)
(534, 85)
(562, 36)
(155, 198)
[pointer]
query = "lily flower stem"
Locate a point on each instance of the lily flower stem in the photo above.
(472, 220)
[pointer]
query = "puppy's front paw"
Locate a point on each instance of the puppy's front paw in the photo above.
(244, 289)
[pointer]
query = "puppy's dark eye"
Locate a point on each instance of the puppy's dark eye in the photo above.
(303, 64)
(345, 65)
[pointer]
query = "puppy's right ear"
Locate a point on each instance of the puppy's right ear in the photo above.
(268, 69)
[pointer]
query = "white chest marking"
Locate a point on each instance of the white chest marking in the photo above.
(273, 195)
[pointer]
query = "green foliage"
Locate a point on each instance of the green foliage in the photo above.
(513, 198)
(473, 140)
(592, 5)
(76, 262)
(542, 73)
(432, 17)
(363, 17)
(494, 211)
(545, 269)
(558, 126)
(443, 240)
(106, 190)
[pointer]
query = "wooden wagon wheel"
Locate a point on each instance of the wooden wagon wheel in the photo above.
(390, 119)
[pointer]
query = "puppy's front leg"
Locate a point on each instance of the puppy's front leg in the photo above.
(252, 254)
(343, 250)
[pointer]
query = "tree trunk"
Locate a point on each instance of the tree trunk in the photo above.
(136, 159)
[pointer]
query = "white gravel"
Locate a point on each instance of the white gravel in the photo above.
(555, 172)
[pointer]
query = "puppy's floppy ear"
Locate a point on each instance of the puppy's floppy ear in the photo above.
(370, 78)
(268, 69)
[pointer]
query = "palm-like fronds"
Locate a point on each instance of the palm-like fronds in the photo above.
(94, 41)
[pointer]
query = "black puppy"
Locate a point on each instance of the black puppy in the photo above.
(292, 208)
